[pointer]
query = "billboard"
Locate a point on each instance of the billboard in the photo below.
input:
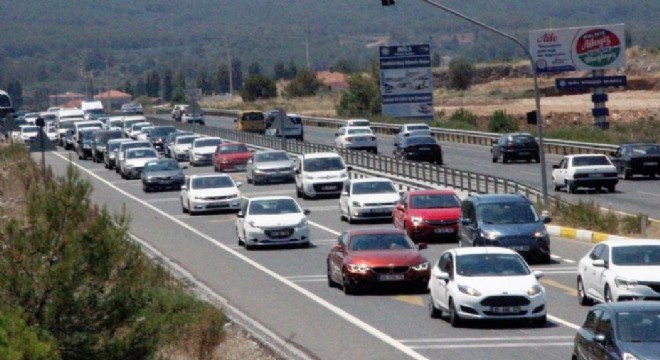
(406, 82)
(578, 48)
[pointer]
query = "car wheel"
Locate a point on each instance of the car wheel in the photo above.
(627, 174)
(539, 322)
(434, 312)
(611, 188)
(583, 299)
(608, 294)
(80, 157)
(238, 237)
(570, 188)
(505, 159)
(331, 283)
(454, 319)
(346, 286)
(248, 179)
(350, 219)
(494, 159)
(183, 209)
(190, 210)
(537, 158)
(557, 187)
(298, 193)
(146, 188)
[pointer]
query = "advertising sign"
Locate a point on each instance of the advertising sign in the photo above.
(579, 48)
(406, 82)
(590, 82)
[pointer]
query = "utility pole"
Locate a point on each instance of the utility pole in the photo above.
(307, 46)
(107, 87)
(231, 72)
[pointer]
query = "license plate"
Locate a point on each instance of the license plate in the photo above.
(519, 248)
(650, 163)
(595, 175)
(505, 309)
(523, 153)
(279, 233)
(239, 167)
(359, 139)
(424, 149)
(443, 230)
(328, 188)
(381, 211)
(391, 277)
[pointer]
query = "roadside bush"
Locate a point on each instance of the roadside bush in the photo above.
(500, 122)
(20, 341)
(588, 215)
(258, 86)
(304, 84)
(361, 98)
(460, 73)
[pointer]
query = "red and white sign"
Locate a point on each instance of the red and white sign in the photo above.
(579, 48)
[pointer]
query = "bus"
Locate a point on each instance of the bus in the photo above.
(5, 104)
(251, 121)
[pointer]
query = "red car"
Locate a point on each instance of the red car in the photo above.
(373, 257)
(231, 156)
(428, 214)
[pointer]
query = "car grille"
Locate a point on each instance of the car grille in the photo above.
(284, 169)
(515, 240)
(381, 204)
(279, 233)
(219, 197)
(391, 269)
(442, 222)
(336, 186)
(653, 285)
(505, 301)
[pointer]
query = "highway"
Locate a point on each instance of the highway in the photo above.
(286, 291)
(640, 195)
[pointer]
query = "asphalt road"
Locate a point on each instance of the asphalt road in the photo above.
(640, 195)
(286, 289)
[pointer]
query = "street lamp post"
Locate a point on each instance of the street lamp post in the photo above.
(537, 95)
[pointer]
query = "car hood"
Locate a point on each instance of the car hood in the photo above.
(641, 350)
(236, 156)
(276, 220)
(183, 146)
(436, 214)
(499, 285)
(215, 192)
(274, 164)
(139, 162)
(204, 150)
(388, 198)
(166, 173)
(639, 273)
(378, 258)
(326, 175)
(513, 229)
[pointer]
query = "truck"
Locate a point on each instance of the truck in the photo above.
(281, 124)
(91, 109)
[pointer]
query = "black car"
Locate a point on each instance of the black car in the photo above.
(158, 134)
(170, 139)
(515, 146)
(100, 140)
(132, 108)
(637, 159)
(84, 145)
(162, 174)
(419, 148)
(506, 220)
(620, 330)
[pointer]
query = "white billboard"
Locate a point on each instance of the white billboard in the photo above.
(578, 48)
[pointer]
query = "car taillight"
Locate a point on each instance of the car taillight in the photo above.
(412, 148)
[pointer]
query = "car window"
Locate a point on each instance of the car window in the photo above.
(323, 164)
(141, 154)
(375, 187)
(207, 142)
(434, 201)
(604, 326)
(185, 140)
(271, 156)
(358, 131)
(384, 241)
(605, 254)
(418, 127)
(646, 255)
(638, 326)
(342, 239)
(212, 182)
(491, 265)
(273, 207)
(595, 253)
(591, 320)
(523, 139)
(163, 165)
(467, 211)
(417, 140)
(590, 161)
(232, 149)
(507, 213)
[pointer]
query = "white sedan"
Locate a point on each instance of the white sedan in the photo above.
(485, 283)
(356, 138)
(272, 220)
(210, 192)
(179, 149)
(135, 160)
(202, 149)
(28, 133)
(618, 270)
(368, 198)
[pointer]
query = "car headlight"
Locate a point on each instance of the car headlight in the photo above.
(309, 176)
(199, 198)
(629, 356)
(129, 166)
(624, 283)
(421, 267)
(540, 233)
(258, 171)
(534, 290)
(416, 220)
(343, 175)
(356, 203)
(490, 235)
(468, 290)
(302, 223)
(358, 268)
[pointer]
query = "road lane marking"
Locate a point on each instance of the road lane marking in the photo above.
(410, 299)
(319, 300)
(162, 200)
(648, 193)
(569, 261)
(482, 346)
(567, 289)
(555, 257)
(477, 339)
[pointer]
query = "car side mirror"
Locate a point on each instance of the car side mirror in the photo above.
(240, 215)
(555, 166)
(307, 211)
(298, 171)
(183, 187)
(399, 207)
(598, 263)
(439, 274)
(546, 219)
(538, 274)
(239, 184)
(466, 222)
(349, 168)
(344, 193)
(613, 153)
(600, 338)
(422, 246)
(338, 248)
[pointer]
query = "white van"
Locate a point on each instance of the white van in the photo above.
(114, 123)
(281, 124)
(85, 124)
(91, 108)
(68, 114)
(320, 174)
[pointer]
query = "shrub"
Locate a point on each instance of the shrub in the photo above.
(20, 341)
(361, 98)
(500, 122)
(257, 86)
(304, 84)
(460, 73)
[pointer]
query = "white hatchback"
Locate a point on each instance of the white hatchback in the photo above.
(368, 198)
(485, 283)
(619, 270)
(210, 192)
(202, 149)
(356, 138)
(272, 220)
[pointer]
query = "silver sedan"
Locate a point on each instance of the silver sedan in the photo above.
(269, 166)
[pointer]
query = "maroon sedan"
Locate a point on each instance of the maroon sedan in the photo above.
(231, 156)
(376, 257)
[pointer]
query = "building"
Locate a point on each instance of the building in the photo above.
(113, 99)
(333, 80)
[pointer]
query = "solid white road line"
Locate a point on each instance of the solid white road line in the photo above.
(319, 300)
(483, 339)
(162, 200)
(569, 261)
(482, 346)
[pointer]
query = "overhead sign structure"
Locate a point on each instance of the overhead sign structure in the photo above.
(590, 82)
(406, 81)
(578, 48)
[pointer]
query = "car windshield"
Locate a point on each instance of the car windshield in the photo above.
(103, 138)
(114, 123)
(161, 131)
(253, 116)
(361, 123)
(639, 326)
(141, 154)
(295, 120)
(207, 142)
(507, 213)
(233, 148)
(418, 127)
(270, 156)
(522, 139)
(491, 265)
(645, 149)
(162, 165)
(418, 140)
(87, 135)
(434, 201)
(642, 255)
(590, 161)
(66, 125)
(373, 187)
(273, 207)
(212, 182)
(134, 145)
(114, 145)
(30, 129)
(358, 131)
(384, 241)
(324, 164)
(136, 127)
(185, 139)
(129, 123)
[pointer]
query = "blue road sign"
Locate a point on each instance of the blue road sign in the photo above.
(590, 82)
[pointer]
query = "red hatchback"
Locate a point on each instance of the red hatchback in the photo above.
(372, 257)
(428, 214)
(231, 156)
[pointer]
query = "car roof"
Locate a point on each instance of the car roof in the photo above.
(140, 149)
(188, 136)
(292, 115)
(271, 198)
(631, 242)
(483, 250)
(119, 140)
(371, 179)
(619, 306)
(352, 232)
(268, 151)
(138, 142)
(416, 124)
(207, 138)
(497, 198)
(432, 192)
(584, 155)
(320, 155)
(195, 176)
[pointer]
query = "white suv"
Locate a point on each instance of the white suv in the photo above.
(368, 198)
(356, 138)
(590, 171)
(320, 174)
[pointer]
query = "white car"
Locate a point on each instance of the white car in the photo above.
(114, 123)
(135, 159)
(202, 149)
(136, 129)
(586, 171)
(28, 134)
(120, 152)
(485, 283)
(368, 198)
(51, 132)
(411, 130)
(618, 270)
(210, 192)
(178, 150)
(272, 220)
(356, 138)
(320, 174)
(142, 135)
(358, 122)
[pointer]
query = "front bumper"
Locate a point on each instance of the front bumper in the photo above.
(201, 158)
(371, 212)
(498, 306)
(201, 205)
(163, 183)
(133, 172)
(238, 166)
(389, 276)
(433, 230)
(334, 187)
(181, 156)
(643, 291)
(288, 175)
(291, 235)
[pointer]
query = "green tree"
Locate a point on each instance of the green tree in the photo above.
(258, 87)
(279, 69)
(168, 85)
(361, 98)
(15, 91)
(304, 84)
(221, 82)
(237, 74)
(180, 80)
(500, 122)
(254, 69)
(20, 341)
(460, 73)
(203, 81)
(345, 66)
(152, 84)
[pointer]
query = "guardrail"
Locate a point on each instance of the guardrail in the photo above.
(551, 146)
